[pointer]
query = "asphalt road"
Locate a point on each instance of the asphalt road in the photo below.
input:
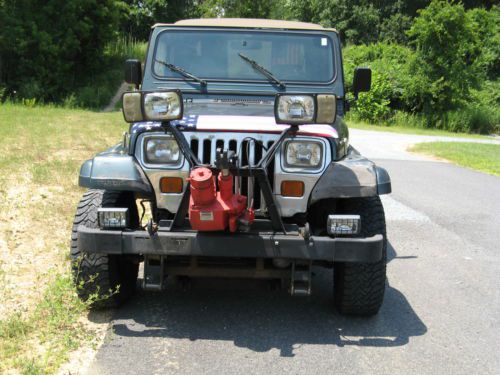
(441, 313)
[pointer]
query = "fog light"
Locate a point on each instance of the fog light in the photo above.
(112, 218)
(343, 224)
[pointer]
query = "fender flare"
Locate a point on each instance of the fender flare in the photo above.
(113, 170)
(352, 177)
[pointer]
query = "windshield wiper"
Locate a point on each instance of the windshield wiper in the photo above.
(262, 70)
(181, 71)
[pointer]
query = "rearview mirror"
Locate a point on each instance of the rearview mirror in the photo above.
(133, 72)
(362, 80)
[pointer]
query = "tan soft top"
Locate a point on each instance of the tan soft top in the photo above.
(252, 23)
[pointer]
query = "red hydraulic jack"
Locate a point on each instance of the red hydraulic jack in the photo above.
(212, 210)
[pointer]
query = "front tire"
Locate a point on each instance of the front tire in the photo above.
(103, 280)
(359, 287)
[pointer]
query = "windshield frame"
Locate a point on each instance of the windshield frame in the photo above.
(262, 81)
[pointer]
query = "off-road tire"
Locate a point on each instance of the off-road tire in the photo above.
(359, 287)
(104, 279)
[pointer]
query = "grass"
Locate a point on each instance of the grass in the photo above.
(411, 130)
(53, 327)
(42, 149)
(481, 157)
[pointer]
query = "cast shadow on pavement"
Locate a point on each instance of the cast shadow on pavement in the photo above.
(260, 319)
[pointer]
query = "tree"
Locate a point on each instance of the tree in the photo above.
(47, 46)
(140, 15)
(237, 8)
(447, 51)
(358, 21)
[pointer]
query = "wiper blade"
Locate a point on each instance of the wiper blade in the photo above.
(262, 70)
(181, 71)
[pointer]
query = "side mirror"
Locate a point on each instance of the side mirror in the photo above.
(133, 72)
(362, 80)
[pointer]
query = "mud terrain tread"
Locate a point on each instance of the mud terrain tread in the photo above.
(99, 273)
(359, 287)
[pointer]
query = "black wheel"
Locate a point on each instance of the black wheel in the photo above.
(107, 280)
(359, 287)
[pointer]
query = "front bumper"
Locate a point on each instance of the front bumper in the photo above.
(240, 245)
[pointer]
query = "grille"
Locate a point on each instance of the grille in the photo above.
(248, 151)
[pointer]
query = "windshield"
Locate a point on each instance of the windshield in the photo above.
(291, 57)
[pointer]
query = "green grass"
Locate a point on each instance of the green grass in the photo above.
(481, 157)
(54, 326)
(411, 130)
(42, 149)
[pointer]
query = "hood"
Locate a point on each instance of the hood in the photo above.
(237, 124)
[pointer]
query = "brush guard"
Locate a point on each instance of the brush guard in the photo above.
(259, 172)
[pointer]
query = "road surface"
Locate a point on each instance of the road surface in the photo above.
(441, 313)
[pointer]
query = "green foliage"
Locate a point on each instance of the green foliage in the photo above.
(358, 21)
(237, 8)
(139, 15)
(435, 63)
(442, 82)
(393, 29)
(447, 49)
(53, 323)
(100, 87)
(390, 78)
(374, 105)
(47, 47)
(486, 25)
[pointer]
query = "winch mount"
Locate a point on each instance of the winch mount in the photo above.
(259, 172)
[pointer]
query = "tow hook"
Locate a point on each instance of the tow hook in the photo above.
(152, 228)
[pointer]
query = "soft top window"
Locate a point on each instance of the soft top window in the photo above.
(291, 57)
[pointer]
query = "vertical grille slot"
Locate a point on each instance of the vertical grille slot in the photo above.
(194, 147)
(256, 189)
(270, 168)
(219, 144)
(207, 148)
(233, 145)
(244, 159)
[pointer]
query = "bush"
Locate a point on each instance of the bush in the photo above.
(486, 24)
(373, 106)
(443, 82)
(389, 82)
(100, 87)
(48, 47)
(445, 62)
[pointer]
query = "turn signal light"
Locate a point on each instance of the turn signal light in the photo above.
(171, 185)
(292, 188)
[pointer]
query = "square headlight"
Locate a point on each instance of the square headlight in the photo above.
(162, 151)
(303, 154)
(161, 106)
(152, 106)
(295, 109)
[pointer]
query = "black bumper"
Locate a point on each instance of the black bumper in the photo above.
(244, 245)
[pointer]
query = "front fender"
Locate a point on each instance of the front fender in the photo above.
(114, 170)
(352, 177)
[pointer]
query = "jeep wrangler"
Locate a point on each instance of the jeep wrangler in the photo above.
(238, 153)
